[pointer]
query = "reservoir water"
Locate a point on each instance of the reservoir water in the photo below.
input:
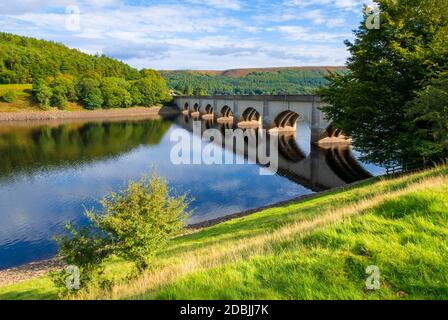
(51, 171)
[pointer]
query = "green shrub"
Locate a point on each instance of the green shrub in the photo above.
(133, 224)
(9, 96)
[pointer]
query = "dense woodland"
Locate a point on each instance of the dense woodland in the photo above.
(61, 75)
(255, 83)
(24, 59)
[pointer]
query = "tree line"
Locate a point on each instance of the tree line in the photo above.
(96, 92)
(256, 83)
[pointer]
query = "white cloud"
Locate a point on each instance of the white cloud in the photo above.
(315, 16)
(298, 33)
(335, 22)
(340, 4)
(199, 35)
(220, 4)
(35, 6)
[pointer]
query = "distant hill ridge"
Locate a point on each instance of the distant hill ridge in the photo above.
(243, 72)
(252, 81)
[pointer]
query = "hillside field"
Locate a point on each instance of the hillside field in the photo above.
(24, 101)
(314, 249)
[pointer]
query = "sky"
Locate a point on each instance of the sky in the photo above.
(193, 34)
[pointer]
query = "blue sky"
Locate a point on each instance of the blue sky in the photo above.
(193, 34)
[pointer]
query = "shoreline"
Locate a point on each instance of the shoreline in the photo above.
(36, 269)
(28, 271)
(14, 117)
(295, 200)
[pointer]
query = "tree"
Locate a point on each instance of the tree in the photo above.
(141, 219)
(152, 89)
(136, 95)
(59, 97)
(8, 76)
(179, 89)
(66, 84)
(200, 91)
(387, 69)
(93, 99)
(89, 93)
(430, 113)
(188, 90)
(134, 224)
(42, 93)
(115, 93)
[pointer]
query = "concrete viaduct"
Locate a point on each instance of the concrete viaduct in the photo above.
(273, 113)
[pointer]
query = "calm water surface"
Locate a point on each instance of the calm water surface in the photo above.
(50, 172)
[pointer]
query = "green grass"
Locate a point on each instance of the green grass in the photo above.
(20, 88)
(23, 101)
(37, 289)
(315, 249)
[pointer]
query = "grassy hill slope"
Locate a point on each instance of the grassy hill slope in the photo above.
(24, 101)
(315, 249)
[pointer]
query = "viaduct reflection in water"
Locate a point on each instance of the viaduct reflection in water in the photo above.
(324, 167)
(30, 148)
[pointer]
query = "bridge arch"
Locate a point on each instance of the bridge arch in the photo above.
(333, 132)
(208, 112)
(332, 135)
(226, 112)
(286, 121)
(196, 108)
(250, 118)
(225, 115)
(195, 112)
(209, 109)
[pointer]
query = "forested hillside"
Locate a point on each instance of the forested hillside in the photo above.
(23, 59)
(294, 80)
(61, 76)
